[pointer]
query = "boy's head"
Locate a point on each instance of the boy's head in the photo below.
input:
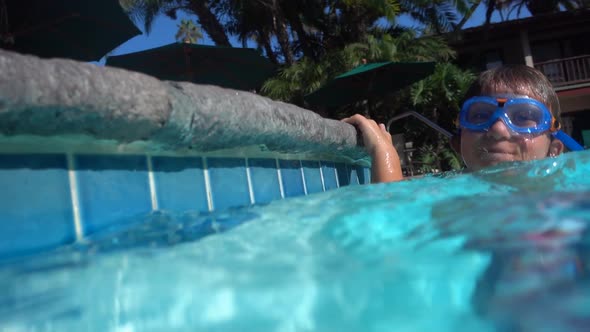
(500, 143)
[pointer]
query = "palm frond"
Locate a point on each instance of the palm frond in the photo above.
(145, 11)
(452, 159)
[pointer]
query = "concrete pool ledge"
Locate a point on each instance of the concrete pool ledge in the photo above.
(58, 103)
(85, 148)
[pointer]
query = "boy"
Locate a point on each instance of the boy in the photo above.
(510, 113)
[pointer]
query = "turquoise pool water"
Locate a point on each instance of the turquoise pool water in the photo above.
(501, 250)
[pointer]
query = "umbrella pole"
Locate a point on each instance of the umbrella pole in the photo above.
(371, 106)
(187, 63)
(371, 96)
(6, 37)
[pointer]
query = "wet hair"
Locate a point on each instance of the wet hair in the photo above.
(517, 79)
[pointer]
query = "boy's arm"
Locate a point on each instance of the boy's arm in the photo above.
(385, 166)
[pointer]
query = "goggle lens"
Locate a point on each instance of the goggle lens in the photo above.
(479, 113)
(525, 115)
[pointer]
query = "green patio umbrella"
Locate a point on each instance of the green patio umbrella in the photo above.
(369, 81)
(230, 67)
(84, 30)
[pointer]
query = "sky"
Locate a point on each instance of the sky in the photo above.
(164, 29)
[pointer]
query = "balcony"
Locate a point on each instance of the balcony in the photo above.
(567, 71)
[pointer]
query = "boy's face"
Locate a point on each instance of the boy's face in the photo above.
(500, 144)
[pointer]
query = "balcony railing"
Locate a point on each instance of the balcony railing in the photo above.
(566, 71)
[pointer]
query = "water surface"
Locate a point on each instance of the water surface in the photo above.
(500, 250)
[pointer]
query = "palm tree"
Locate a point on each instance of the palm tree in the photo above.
(439, 16)
(287, 30)
(536, 7)
(146, 11)
(188, 32)
(302, 16)
(467, 15)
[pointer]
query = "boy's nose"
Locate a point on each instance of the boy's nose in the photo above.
(499, 130)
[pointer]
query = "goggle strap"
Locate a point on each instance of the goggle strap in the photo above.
(569, 142)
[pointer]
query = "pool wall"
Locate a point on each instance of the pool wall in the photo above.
(84, 148)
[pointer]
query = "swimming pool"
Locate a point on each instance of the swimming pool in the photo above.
(491, 251)
(115, 221)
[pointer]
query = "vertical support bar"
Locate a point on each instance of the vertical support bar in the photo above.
(322, 176)
(526, 48)
(303, 177)
(249, 179)
(207, 185)
(280, 177)
(74, 196)
(152, 183)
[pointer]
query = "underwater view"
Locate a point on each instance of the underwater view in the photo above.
(506, 249)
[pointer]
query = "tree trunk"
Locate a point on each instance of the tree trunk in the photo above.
(303, 38)
(490, 11)
(280, 28)
(264, 40)
(209, 22)
(467, 15)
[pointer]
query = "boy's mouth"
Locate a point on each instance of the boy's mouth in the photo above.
(497, 154)
(496, 150)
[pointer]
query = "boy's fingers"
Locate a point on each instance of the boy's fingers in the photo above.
(351, 119)
(356, 119)
(365, 124)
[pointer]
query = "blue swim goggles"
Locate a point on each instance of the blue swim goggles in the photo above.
(521, 115)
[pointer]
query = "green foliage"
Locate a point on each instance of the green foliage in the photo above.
(452, 158)
(437, 158)
(297, 80)
(437, 97)
(303, 28)
(390, 9)
(306, 76)
(438, 16)
(446, 86)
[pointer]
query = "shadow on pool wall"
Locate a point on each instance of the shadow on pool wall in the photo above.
(82, 147)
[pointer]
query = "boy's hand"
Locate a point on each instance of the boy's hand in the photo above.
(375, 136)
(385, 166)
